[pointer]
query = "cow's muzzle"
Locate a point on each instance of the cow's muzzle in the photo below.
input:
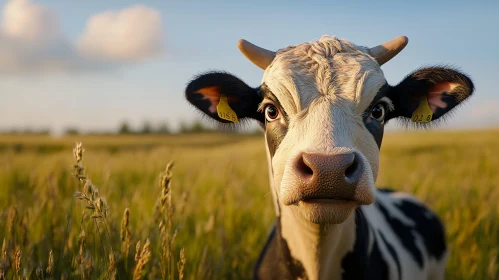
(317, 177)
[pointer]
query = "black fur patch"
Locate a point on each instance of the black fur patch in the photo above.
(378, 267)
(404, 233)
(406, 95)
(355, 264)
(429, 227)
(361, 264)
(393, 253)
(385, 190)
(275, 260)
(376, 128)
(243, 99)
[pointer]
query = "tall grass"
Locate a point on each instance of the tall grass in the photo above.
(100, 260)
(208, 216)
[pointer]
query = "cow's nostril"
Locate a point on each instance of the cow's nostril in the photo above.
(303, 166)
(351, 169)
(352, 173)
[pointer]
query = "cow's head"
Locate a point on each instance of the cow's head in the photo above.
(323, 106)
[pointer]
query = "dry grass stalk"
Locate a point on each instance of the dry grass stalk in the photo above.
(204, 269)
(89, 267)
(39, 273)
(141, 260)
(50, 265)
(81, 252)
(125, 234)
(165, 184)
(17, 261)
(181, 264)
(78, 152)
(165, 223)
(4, 251)
(181, 203)
(90, 193)
(112, 267)
(137, 252)
(24, 224)
(95, 204)
(80, 259)
(11, 221)
(4, 264)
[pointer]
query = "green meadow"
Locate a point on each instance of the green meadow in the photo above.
(209, 217)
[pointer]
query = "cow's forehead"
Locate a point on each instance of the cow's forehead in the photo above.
(327, 67)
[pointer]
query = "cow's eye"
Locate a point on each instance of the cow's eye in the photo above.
(271, 113)
(378, 112)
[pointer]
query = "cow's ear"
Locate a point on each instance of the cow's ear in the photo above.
(209, 90)
(444, 89)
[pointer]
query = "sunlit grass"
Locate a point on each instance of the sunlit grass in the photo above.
(222, 208)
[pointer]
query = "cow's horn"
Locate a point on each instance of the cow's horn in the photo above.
(259, 56)
(388, 50)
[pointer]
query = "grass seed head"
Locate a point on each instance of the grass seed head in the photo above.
(112, 267)
(81, 253)
(137, 252)
(89, 266)
(11, 221)
(50, 265)
(4, 251)
(78, 152)
(125, 233)
(165, 178)
(143, 259)
(124, 222)
(181, 264)
(17, 260)
(3, 270)
(39, 273)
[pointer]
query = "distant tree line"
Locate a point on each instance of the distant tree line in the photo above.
(163, 128)
(42, 131)
(147, 127)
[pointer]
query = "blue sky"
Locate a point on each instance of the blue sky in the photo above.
(197, 36)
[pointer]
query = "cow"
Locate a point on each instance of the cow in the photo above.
(323, 106)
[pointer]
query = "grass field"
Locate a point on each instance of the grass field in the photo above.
(221, 210)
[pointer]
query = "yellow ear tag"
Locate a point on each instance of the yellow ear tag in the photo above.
(224, 111)
(423, 113)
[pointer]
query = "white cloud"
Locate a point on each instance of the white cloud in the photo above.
(17, 57)
(31, 39)
(131, 34)
(30, 23)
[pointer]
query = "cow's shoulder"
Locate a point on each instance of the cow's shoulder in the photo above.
(407, 227)
(423, 222)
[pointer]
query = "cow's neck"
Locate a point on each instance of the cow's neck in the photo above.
(320, 249)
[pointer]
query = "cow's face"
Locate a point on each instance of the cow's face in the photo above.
(323, 106)
(324, 109)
